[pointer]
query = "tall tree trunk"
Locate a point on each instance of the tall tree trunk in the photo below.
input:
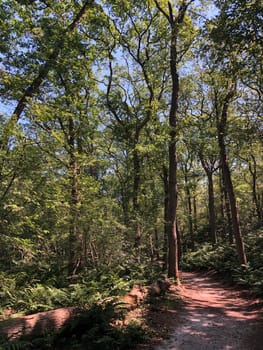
(226, 209)
(212, 216)
(195, 212)
(179, 239)
(136, 185)
(156, 244)
(222, 206)
(166, 217)
(229, 218)
(174, 22)
(256, 198)
(233, 207)
(173, 269)
(189, 208)
(209, 168)
(221, 127)
(75, 238)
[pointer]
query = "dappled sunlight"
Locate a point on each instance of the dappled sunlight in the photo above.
(214, 318)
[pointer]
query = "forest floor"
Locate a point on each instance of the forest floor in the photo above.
(202, 314)
(211, 316)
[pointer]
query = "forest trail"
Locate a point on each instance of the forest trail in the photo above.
(215, 317)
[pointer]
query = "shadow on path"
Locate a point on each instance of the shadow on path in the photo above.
(215, 317)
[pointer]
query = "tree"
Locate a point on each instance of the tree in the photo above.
(134, 92)
(51, 56)
(175, 21)
(236, 32)
(222, 109)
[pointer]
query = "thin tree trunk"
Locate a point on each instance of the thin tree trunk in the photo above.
(234, 211)
(195, 212)
(174, 22)
(226, 207)
(173, 269)
(75, 238)
(221, 126)
(156, 244)
(136, 185)
(180, 246)
(253, 172)
(212, 215)
(222, 206)
(166, 217)
(189, 207)
(229, 219)
(209, 168)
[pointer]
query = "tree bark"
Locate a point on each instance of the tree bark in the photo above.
(221, 128)
(136, 185)
(189, 208)
(226, 209)
(222, 207)
(166, 217)
(195, 212)
(173, 269)
(256, 197)
(209, 169)
(174, 22)
(156, 244)
(212, 216)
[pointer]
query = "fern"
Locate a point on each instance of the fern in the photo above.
(18, 345)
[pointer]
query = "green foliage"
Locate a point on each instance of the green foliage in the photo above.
(224, 260)
(144, 272)
(21, 294)
(251, 275)
(96, 92)
(206, 257)
(41, 298)
(18, 345)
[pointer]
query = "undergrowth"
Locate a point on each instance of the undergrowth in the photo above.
(94, 329)
(223, 258)
(21, 294)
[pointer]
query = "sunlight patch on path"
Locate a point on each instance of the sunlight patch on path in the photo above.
(213, 318)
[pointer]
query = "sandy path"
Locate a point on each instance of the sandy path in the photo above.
(215, 317)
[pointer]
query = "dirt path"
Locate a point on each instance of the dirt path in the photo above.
(215, 317)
